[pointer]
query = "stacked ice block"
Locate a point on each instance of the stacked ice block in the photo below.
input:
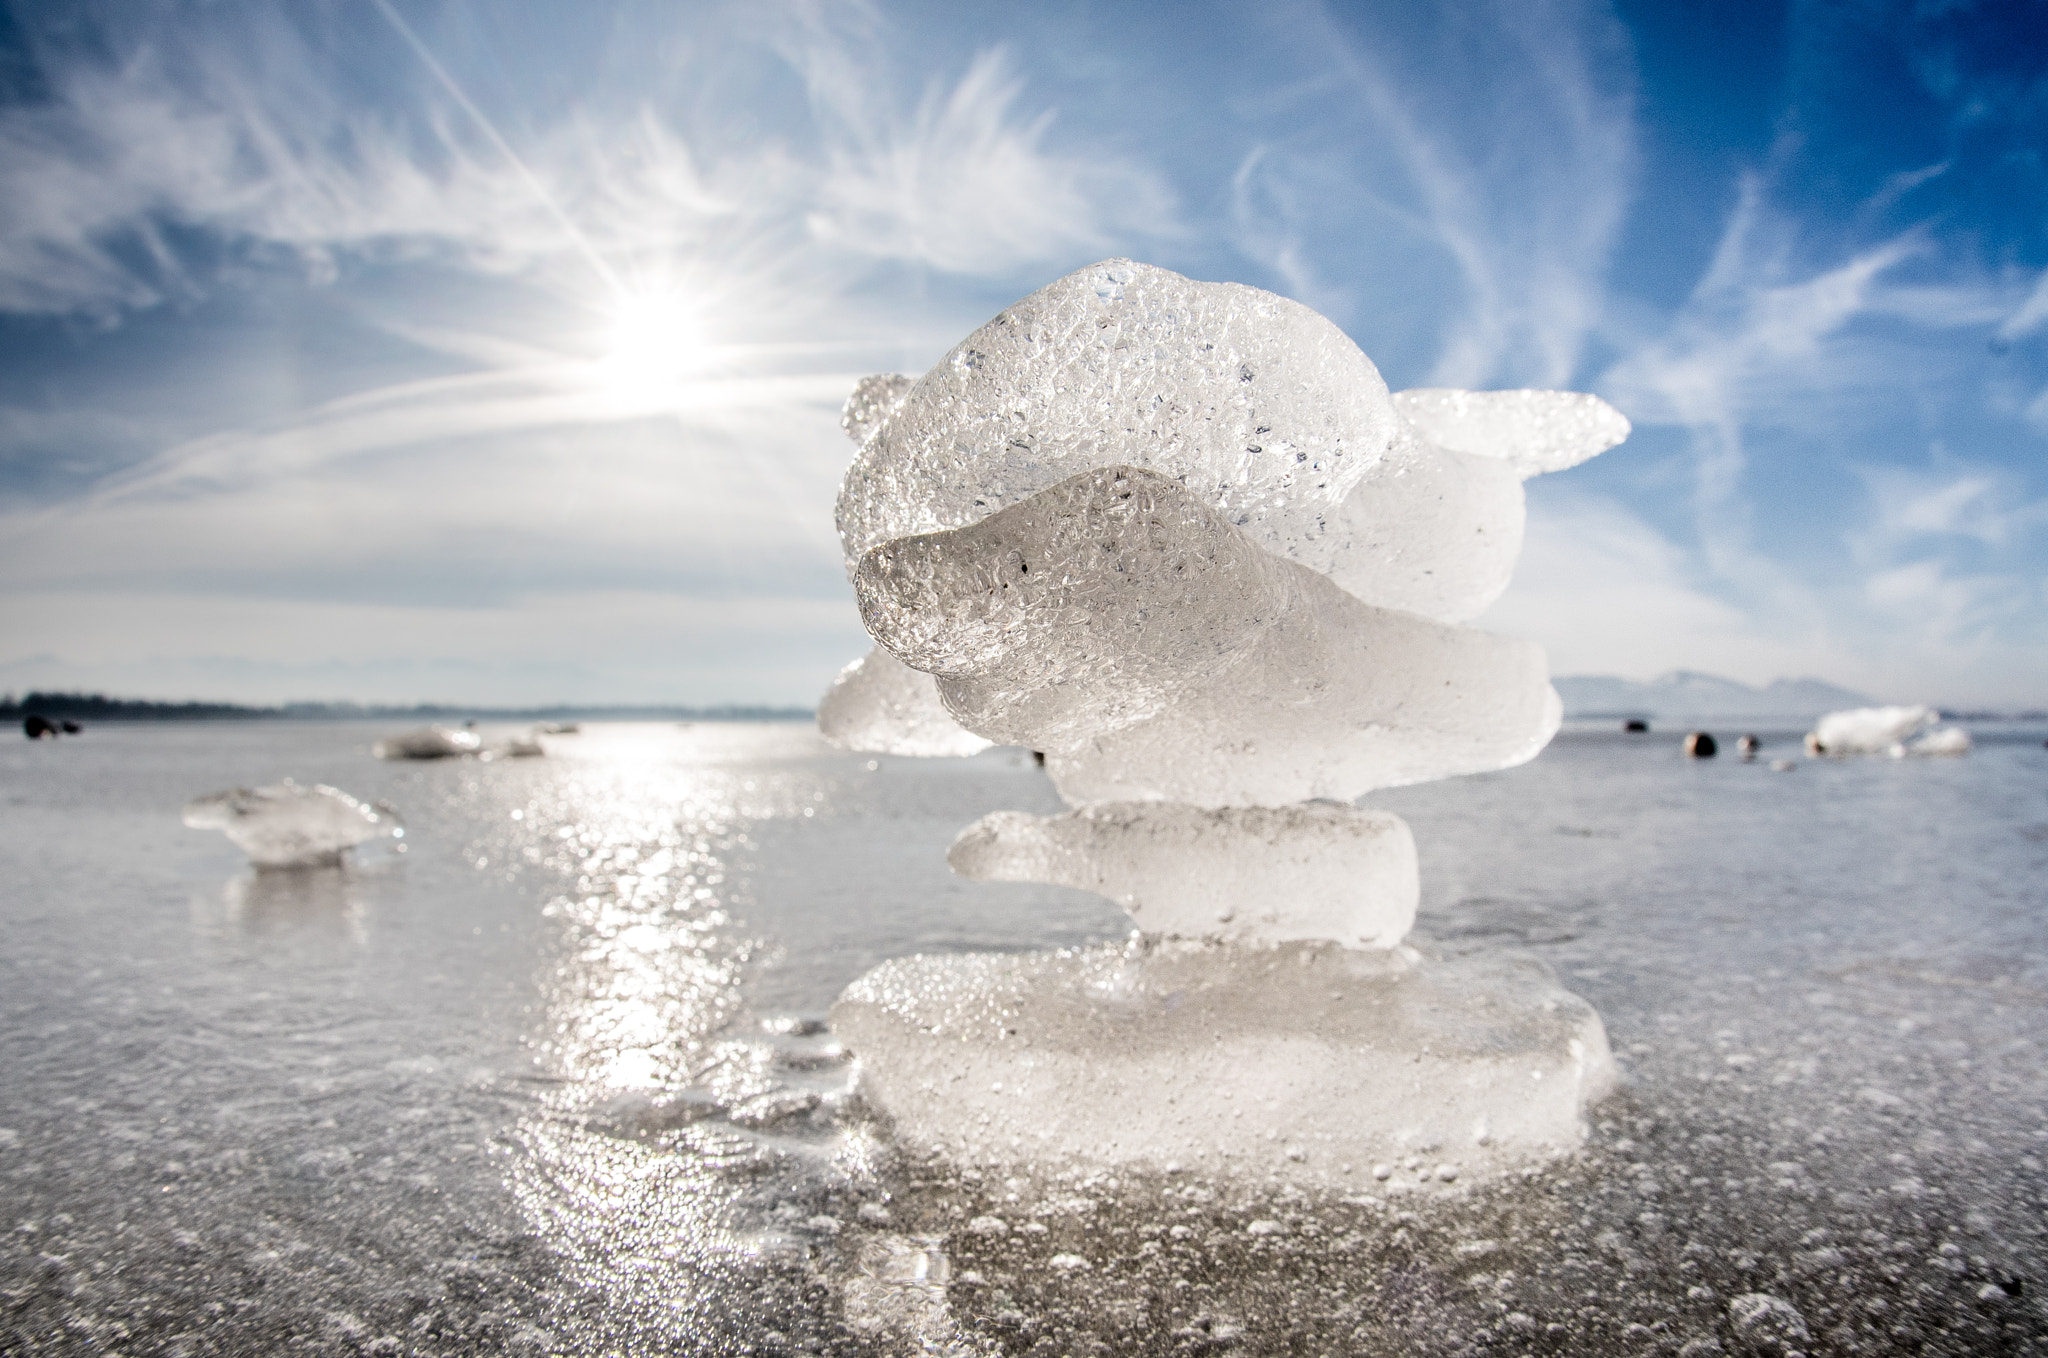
(1180, 539)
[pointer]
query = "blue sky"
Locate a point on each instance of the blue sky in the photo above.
(484, 352)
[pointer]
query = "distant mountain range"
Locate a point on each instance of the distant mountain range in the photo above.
(1688, 694)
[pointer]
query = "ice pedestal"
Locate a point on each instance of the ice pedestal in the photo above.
(1316, 1064)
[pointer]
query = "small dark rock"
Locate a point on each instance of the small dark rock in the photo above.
(1635, 726)
(1700, 745)
(39, 728)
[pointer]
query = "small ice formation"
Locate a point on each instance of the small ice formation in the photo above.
(288, 826)
(1180, 539)
(880, 705)
(429, 742)
(1898, 732)
(1315, 870)
(444, 742)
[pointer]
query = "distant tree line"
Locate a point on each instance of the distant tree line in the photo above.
(90, 707)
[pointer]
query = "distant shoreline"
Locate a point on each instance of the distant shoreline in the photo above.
(90, 707)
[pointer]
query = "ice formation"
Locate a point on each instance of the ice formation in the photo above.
(285, 825)
(880, 705)
(1317, 870)
(1180, 539)
(1307, 1060)
(430, 742)
(1899, 732)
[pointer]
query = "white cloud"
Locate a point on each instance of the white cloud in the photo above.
(1510, 153)
(964, 185)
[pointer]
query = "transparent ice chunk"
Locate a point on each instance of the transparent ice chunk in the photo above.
(1156, 654)
(1532, 431)
(880, 705)
(1252, 875)
(285, 825)
(1263, 409)
(1304, 1062)
(1430, 531)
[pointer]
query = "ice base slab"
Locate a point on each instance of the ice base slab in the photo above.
(1307, 1062)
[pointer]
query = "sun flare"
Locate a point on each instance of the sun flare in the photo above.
(653, 342)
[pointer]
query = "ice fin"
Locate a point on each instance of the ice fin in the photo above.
(880, 705)
(1257, 875)
(1532, 431)
(285, 825)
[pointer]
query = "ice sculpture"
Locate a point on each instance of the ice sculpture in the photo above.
(288, 826)
(1180, 539)
(1900, 732)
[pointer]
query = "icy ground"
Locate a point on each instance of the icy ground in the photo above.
(552, 1083)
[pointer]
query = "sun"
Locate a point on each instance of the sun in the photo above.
(653, 343)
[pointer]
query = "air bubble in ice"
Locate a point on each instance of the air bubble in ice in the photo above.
(285, 825)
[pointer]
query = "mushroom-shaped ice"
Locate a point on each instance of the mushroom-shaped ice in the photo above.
(285, 825)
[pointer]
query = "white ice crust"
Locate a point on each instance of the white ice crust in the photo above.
(879, 705)
(1899, 732)
(285, 825)
(1263, 409)
(1258, 874)
(1305, 1062)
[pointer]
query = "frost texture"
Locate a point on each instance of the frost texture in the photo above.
(1896, 731)
(879, 705)
(285, 825)
(1217, 1058)
(1251, 874)
(1155, 653)
(1263, 409)
(874, 399)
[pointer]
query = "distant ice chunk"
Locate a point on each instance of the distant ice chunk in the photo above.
(431, 742)
(1215, 1058)
(1887, 731)
(1250, 875)
(285, 825)
(1532, 431)
(1942, 741)
(880, 705)
(1155, 653)
(1264, 410)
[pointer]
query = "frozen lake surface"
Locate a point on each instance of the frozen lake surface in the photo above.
(553, 1081)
